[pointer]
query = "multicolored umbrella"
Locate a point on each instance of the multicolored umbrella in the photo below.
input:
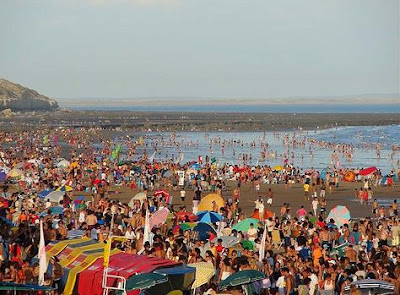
(368, 171)
(340, 214)
(65, 188)
(184, 226)
(241, 278)
(204, 272)
(45, 193)
(244, 225)
(159, 217)
(209, 216)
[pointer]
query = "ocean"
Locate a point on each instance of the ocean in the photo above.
(251, 108)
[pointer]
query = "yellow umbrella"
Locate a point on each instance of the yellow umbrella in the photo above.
(74, 165)
(204, 272)
(278, 168)
(206, 202)
(65, 188)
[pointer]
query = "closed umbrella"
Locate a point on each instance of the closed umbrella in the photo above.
(209, 217)
(204, 272)
(244, 225)
(340, 214)
(242, 277)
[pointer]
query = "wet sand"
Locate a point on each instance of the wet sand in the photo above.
(344, 195)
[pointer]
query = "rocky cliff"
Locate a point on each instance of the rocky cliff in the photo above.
(18, 98)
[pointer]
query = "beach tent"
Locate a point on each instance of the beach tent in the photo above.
(120, 264)
(206, 202)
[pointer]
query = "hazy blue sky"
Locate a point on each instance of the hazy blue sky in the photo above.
(208, 48)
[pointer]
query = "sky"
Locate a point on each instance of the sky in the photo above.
(201, 48)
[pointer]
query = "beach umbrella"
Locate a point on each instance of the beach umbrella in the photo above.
(74, 165)
(368, 171)
(45, 193)
(15, 173)
(278, 168)
(206, 203)
(167, 174)
(186, 215)
(375, 286)
(227, 241)
(184, 226)
(158, 217)
(204, 272)
(145, 281)
(209, 216)
(7, 221)
(65, 188)
(349, 176)
(161, 193)
(3, 176)
(202, 228)
(53, 211)
(247, 244)
(138, 197)
(63, 164)
(267, 214)
(55, 196)
(244, 225)
(340, 214)
(242, 277)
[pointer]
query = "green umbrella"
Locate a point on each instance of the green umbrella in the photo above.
(244, 225)
(145, 281)
(247, 244)
(241, 278)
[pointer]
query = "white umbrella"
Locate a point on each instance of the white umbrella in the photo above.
(55, 196)
(63, 164)
(138, 197)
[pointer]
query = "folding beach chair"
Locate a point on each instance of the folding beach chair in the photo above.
(276, 239)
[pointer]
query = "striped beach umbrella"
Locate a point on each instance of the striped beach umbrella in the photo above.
(340, 214)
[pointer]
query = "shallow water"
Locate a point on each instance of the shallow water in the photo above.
(194, 144)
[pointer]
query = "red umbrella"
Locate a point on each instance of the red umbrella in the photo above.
(161, 193)
(183, 215)
(368, 171)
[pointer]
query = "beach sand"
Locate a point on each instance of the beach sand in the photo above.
(344, 195)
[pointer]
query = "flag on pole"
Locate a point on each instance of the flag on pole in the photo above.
(146, 234)
(42, 256)
(261, 252)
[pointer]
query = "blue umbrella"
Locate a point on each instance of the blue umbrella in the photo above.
(209, 216)
(202, 228)
(3, 176)
(53, 210)
(44, 193)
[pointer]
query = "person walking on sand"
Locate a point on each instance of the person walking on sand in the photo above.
(314, 204)
(270, 196)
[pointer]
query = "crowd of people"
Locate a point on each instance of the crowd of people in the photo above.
(303, 253)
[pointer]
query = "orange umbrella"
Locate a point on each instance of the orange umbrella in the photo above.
(349, 176)
(267, 214)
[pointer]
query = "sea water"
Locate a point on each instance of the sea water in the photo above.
(364, 139)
